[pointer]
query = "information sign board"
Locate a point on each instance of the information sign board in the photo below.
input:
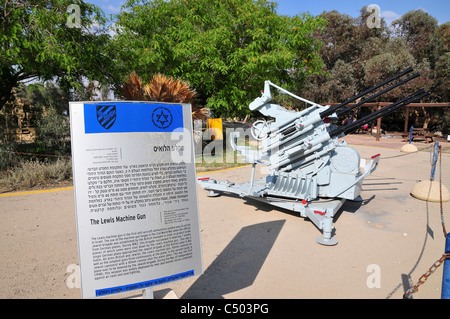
(135, 195)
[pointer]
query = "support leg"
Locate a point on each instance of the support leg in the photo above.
(326, 238)
(212, 194)
(252, 179)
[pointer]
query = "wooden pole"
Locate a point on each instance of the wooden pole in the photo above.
(406, 120)
(378, 124)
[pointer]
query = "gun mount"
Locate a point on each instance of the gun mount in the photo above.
(309, 170)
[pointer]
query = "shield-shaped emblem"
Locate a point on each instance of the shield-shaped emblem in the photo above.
(106, 115)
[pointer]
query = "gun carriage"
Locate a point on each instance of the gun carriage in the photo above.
(310, 170)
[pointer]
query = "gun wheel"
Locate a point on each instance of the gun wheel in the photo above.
(260, 130)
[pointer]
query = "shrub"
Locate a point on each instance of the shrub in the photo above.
(32, 173)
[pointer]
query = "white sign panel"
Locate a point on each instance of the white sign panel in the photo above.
(135, 195)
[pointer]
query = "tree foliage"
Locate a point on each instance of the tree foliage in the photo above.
(225, 49)
(358, 57)
(53, 136)
(416, 27)
(35, 43)
(440, 60)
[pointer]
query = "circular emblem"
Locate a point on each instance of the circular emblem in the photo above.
(162, 117)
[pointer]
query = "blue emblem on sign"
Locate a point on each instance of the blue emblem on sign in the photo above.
(106, 115)
(132, 117)
(162, 117)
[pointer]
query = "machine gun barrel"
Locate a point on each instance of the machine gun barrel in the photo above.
(380, 113)
(331, 110)
(304, 146)
(348, 109)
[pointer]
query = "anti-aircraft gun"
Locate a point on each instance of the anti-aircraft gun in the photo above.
(310, 170)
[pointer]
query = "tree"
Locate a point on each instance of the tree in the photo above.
(347, 44)
(338, 38)
(440, 42)
(395, 58)
(53, 134)
(36, 43)
(225, 49)
(358, 57)
(416, 27)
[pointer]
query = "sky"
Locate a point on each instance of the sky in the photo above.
(390, 9)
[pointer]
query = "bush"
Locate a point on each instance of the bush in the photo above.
(53, 135)
(8, 156)
(31, 173)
